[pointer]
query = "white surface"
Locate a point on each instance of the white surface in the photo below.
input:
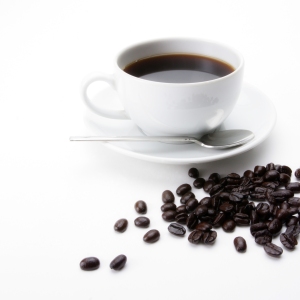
(242, 117)
(59, 200)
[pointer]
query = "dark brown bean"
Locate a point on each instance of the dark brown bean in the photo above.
(182, 189)
(168, 196)
(275, 226)
(121, 225)
(215, 177)
(186, 197)
(229, 225)
(151, 236)
(191, 205)
(191, 221)
(195, 237)
(193, 172)
(168, 206)
(288, 240)
(176, 229)
(118, 263)
(240, 244)
(259, 170)
(273, 250)
(208, 185)
(293, 186)
(199, 183)
(216, 189)
(140, 207)
(181, 218)
(169, 215)
(204, 226)
(90, 264)
(142, 222)
(181, 209)
(297, 173)
(294, 201)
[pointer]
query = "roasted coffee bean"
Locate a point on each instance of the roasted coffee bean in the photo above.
(263, 210)
(284, 205)
(293, 229)
(263, 237)
(118, 263)
(199, 183)
(273, 250)
(240, 244)
(241, 219)
(297, 173)
(181, 209)
(215, 177)
(282, 195)
(204, 226)
(284, 178)
(121, 225)
(168, 196)
(271, 175)
(282, 214)
(205, 201)
(176, 229)
(285, 169)
(236, 197)
(288, 240)
(255, 228)
(224, 196)
(293, 186)
(195, 237)
(216, 189)
(181, 218)
(226, 207)
(270, 185)
(141, 207)
(259, 170)
(270, 166)
(275, 226)
(90, 264)
(191, 221)
(182, 189)
(249, 174)
(168, 206)
(219, 219)
(186, 197)
(208, 185)
(209, 237)
(201, 211)
(169, 215)
(151, 236)
(253, 217)
(228, 225)
(294, 201)
(291, 221)
(142, 222)
(191, 204)
(193, 172)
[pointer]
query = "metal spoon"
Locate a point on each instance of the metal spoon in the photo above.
(217, 140)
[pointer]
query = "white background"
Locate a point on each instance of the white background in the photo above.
(59, 200)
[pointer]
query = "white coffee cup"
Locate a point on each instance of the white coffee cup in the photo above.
(172, 109)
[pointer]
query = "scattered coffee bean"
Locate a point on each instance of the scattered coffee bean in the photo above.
(293, 186)
(168, 196)
(240, 244)
(142, 222)
(141, 207)
(176, 229)
(199, 183)
(90, 264)
(228, 225)
(182, 189)
(121, 225)
(168, 206)
(169, 215)
(297, 173)
(273, 250)
(151, 236)
(118, 263)
(203, 226)
(288, 240)
(193, 172)
(186, 197)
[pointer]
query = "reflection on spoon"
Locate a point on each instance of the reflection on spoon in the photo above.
(217, 140)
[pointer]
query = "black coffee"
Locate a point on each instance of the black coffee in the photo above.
(178, 68)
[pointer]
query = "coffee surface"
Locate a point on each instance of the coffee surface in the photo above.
(178, 68)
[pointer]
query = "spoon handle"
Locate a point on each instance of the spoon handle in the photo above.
(175, 139)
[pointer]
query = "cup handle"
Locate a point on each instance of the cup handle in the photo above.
(103, 112)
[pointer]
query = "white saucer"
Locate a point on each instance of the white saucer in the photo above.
(253, 111)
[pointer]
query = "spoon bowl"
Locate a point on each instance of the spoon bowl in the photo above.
(218, 140)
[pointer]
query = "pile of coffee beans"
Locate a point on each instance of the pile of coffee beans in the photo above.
(262, 199)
